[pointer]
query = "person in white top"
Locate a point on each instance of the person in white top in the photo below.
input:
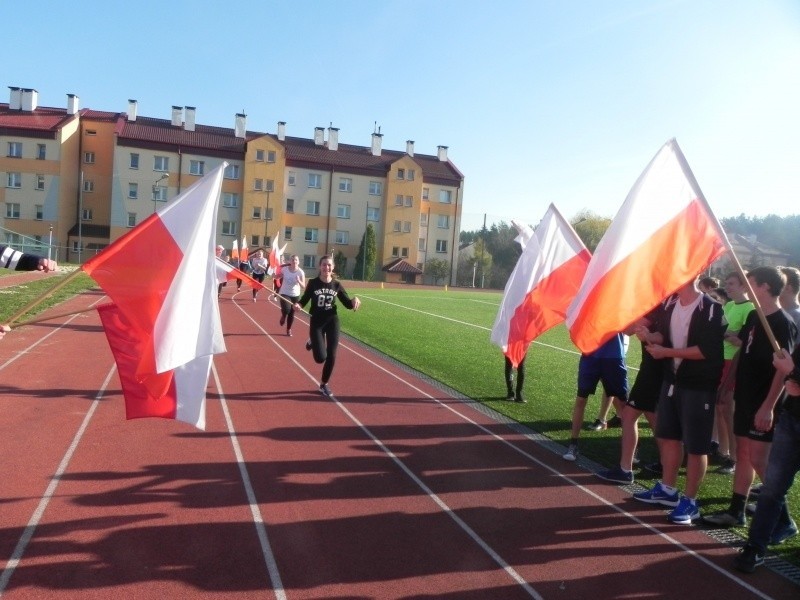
(292, 283)
(258, 266)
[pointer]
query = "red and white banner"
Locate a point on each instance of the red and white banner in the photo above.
(542, 284)
(663, 236)
(227, 272)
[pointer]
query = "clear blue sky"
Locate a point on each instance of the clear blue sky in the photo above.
(539, 101)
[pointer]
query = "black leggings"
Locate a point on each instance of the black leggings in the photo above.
(287, 308)
(324, 341)
(520, 374)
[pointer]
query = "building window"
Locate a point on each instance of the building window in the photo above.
(343, 211)
(314, 180)
(232, 172)
(375, 188)
(443, 222)
(254, 239)
(91, 132)
(131, 219)
(309, 261)
(271, 156)
(406, 226)
(161, 163)
(292, 178)
(423, 220)
(39, 182)
(311, 234)
(397, 226)
(159, 193)
(230, 199)
(408, 201)
(15, 149)
(41, 151)
(197, 167)
(404, 252)
(426, 193)
(290, 205)
(401, 173)
(270, 187)
(411, 175)
(228, 228)
(268, 213)
(395, 251)
(12, 210)
(345, 184)
(88, 185)
(441, 245)
(134, 163)
(88, 158)
(39, 208)
(421, 245)
(260, 155)
(87, 214)
(373, 214)
(133, 191)
(256, 212)
(287, 233)
(258, 184)
(445, 196)
(74, 246)
(398, 200)
(342, 237)
(14, 180)
(312, 207)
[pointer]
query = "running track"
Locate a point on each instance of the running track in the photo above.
(396, 490)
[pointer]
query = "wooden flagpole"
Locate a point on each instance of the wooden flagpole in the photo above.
(37, 301)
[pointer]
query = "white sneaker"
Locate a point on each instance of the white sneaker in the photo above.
(571, 454)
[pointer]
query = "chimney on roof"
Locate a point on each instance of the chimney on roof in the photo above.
(319, 136)
(376, 144)
(281, 130)
(442, 153)
(132, 105)
(15, 98)
(190, 113)
(410, 147)
(240, 128)
(333, 138)
(177, 116)
(72, 104)
(30, 99)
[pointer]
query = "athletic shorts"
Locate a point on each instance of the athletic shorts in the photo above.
(610, 371)
(744, 414)
(687, 416)
(646, 390)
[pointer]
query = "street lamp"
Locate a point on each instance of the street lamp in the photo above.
(156, 188)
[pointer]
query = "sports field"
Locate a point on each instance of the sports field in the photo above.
(445, 334)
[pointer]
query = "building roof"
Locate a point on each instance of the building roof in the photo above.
(399, 265)
(146, 131)
(44, 120)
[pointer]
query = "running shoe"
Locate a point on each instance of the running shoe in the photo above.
(726, 466)
(519, 398)
(325, 390)
(598, 425)
(615, 421)
(289, 332)
(748, 559)
(572, 453)
(308, 345)
(725, 519)
(686, 511)
(778, 537)
(658, 495)
(616, 475)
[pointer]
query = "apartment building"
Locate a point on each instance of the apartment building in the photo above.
(101, 173)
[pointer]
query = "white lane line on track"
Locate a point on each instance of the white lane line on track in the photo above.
(525, 454)
(30, 528)
(252, 501)
(429, 492)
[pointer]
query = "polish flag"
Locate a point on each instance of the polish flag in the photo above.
(185, 395)
(227, 272)
(275, 254)
(235, 252)
(162, 278)
(243, 255)
(542, 284)
(663, 236)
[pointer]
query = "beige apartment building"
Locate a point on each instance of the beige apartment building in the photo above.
(93, 175)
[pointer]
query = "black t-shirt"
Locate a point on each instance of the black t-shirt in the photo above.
(323, 296)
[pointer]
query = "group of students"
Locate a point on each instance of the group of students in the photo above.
(711, 373)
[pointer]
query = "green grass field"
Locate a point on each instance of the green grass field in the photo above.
(445, 334)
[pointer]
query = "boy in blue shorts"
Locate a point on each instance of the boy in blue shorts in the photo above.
(606, 365)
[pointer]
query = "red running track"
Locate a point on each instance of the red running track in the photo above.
(394, 490)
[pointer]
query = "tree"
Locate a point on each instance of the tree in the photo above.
(339, 263)
(365, 267)
(470, 268)
(590, 228)
(437, 268)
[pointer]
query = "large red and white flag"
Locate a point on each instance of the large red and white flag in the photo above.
(235, 252)
(275, 255)
(162, 277)
(541, 286)
(244, 254)
(227, 272)
(663, 236)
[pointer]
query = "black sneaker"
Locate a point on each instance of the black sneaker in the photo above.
(725, 519)
(308, 345)
(519, 398)
(726, 466)
(655, 468)
(748, 559)
(598, 425)
(615, 421)
(616, 475)
(325, 390)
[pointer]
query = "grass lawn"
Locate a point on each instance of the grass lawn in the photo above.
(445, 334)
